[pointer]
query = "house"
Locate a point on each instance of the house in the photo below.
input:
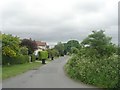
(40, 47)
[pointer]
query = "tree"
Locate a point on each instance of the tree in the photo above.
(10, 45)
(31, 45)
(99, 42)
(65, 48)
(72, 43)
(60, 48)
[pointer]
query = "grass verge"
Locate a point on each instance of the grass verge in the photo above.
(13, 70)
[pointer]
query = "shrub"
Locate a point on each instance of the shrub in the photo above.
(24, 50)
(74, 50)
(7, 51)
(53, 53)
(100, 72)
(20, 59)
(43, 55)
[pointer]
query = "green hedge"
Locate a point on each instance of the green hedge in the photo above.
(101, 72)
(20, 59)
(43, 55)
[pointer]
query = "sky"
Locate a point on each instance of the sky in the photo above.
(53, 21)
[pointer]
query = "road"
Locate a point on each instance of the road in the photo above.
(50, 75)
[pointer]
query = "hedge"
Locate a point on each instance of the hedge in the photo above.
(101, 72)
(20, 59)
(43, 55)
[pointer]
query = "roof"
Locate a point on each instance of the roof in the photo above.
(39, 43)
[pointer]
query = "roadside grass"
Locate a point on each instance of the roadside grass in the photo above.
(13, 70)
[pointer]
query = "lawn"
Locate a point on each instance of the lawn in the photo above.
(13, 70)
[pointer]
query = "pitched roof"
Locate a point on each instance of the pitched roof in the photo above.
(39, 43)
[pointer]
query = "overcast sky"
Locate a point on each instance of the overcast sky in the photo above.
(58, 20)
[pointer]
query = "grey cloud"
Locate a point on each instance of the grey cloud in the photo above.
(91, 7)
(75, 23)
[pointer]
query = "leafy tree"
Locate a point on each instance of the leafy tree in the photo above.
(60, 48)
(72, 43)
(31, 45)
(99, 42)
(10, 45)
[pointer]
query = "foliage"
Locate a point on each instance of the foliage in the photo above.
(31, 45)
(72, 43)
(43, 55)
(100, 72)
(33, 58)
(60, 48)
(100, 43)
(65, 48)
(74, 50)
(7, 51)
(53, 53)
(19, 59)
(0, 39)
(97, 62)
(118, 50)
(24, 50)
(10, 45)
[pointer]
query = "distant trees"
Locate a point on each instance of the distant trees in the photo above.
(72, 46)
(60, 48)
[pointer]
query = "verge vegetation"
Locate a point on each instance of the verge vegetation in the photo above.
(96, 63)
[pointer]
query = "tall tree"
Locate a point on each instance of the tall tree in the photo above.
(99, 42)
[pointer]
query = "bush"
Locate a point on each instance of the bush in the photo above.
(74, 50)
(53, 53)
(101, 72)
(20, 59)
(24, 50)
(43, 55)
(33, 58)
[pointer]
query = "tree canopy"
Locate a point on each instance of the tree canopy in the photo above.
(99, 42)
(31, 45)
(10, 45)
(72, 43)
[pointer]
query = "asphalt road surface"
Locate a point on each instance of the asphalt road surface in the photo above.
(50, 75)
